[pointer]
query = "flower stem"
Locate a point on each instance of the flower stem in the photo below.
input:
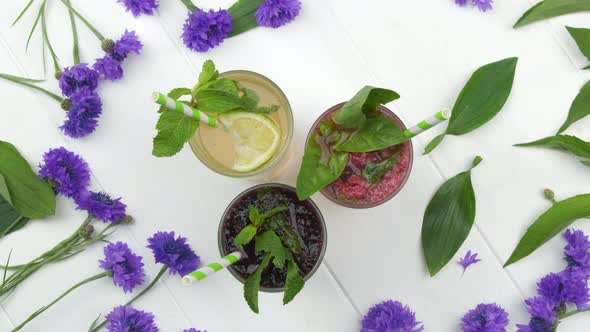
(46, 39)
(571, 313)
(26, 82)
(44, 308)
(76, 49)
(189, 5)
(163, 270)
(85, 21)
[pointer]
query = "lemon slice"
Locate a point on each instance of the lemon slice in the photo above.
(257, 139)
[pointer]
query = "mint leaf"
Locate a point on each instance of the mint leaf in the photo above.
(325, 128)
(586, 162)
(245, 236)
(448, 220)
(482, 98)
(254, 216)
(374, 172)
(174, 129)
(270, 243)
(315, 174)
(354, 113)
(549, 224)
(291, 240)
(272, 212)
(582, 38)
(375, 134)
(208, 74)
(31, 197)
(565, 143)
(294, 283)
(252, 284)
(243, 15)
(580, 108)
(552, 8)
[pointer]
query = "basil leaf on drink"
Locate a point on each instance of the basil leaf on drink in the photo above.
(10, 219)
(376, 133)
(552, 8)
(30, 196)
(448, 220)
(354, 113)
(582, 38)
(243, 15)
(565, 143)
(482, 98)
(252, 284)
(294, 283)
(315, 173)
(374, 172)
(580, 108)
(549, 224)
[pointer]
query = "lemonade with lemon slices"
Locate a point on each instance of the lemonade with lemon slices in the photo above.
(245, 144)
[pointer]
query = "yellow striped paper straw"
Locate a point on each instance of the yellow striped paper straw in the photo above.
(211, 268)
(432, 121)
(174, 105)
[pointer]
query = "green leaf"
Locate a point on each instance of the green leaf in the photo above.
(580, 108)
(245, 236)
(10, 219)
(375, 134)
(483, 96)
(354, 113)
(289, 237)
(566, 143)
(294, 283)
(23, 12)
(374, 172)
(586, 162)
(243, 15)
(271, 213)
(208, 73)
(252, 284)
(315, 174)
(448, 220)
(270, 243)
(552, 8)
(174, 129)
(31, 197)
(549, 224)
(434, 143)
(582, 38)
(254, 216)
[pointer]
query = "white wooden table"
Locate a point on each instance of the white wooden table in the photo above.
(425, 50)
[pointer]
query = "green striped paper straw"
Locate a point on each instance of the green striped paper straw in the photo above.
(210, 268)
(432, 121)
(174, 105)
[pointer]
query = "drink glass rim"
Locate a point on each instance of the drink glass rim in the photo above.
(398, 121)
(278, 157)
(282, 186)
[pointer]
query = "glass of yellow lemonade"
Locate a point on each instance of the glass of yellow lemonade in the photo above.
(248, 144)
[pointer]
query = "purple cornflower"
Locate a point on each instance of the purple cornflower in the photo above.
(390, 316)
(67, 171)
(565, 287)
(276, 13)
(128, 319)
(138, 7)
(205, 30)
(483, 5)
(174, 253)
(485, 318)
(129, 42)
(468, 260)
(101, 206)
(576, 251)
(541, 308)
(535, 325)
(76, 77)
(126, 267)
(82, 116)
(461, 3)
(108, 67)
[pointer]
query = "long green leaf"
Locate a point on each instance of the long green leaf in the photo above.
(243, 15)
(448, 220)
(76, 47)
(552, 8)
(580, 108)
(294, 282)
(252, 284)
(35, 23)
(482, 98)
(549, 224)
(565, 143)
(582, 38)
(23, 12)
(30, 196)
